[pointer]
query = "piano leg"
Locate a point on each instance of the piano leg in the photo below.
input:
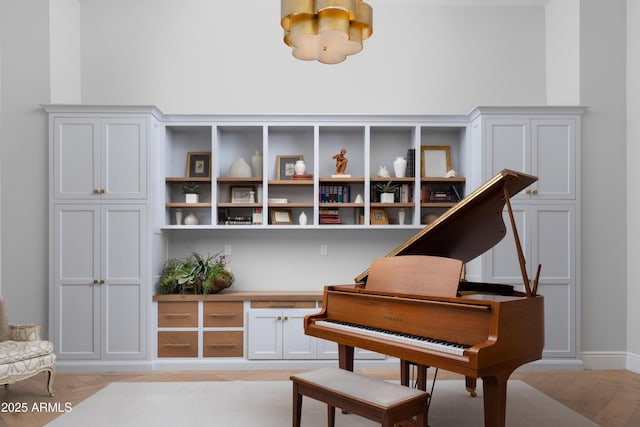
(495, 399)
(470, 384)
(345, 357)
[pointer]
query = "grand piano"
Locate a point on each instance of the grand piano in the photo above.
(415, 305)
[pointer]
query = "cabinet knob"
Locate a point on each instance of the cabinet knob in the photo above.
(286, 317)
(279, 318)
(102, 191)
(101, 282)
(95, 281)
(96, 191)
(534, 191)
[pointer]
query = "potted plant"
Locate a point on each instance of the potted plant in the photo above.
(191, 191)
(387, 191)
(195, 274)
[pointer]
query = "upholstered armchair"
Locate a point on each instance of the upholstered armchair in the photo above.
(23, 353)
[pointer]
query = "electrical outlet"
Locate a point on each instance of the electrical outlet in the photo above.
(227, 249)
(323, 250)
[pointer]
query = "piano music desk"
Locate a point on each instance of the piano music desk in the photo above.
(368, 397)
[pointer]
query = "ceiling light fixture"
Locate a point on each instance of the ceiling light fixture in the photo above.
(325, 30)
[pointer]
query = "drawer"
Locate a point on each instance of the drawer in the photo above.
(283, 304)
(223, 314)
(223, 344)
(177, 314)
(178, 344)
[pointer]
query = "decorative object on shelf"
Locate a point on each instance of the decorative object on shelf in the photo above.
(359, 199)
(341, 164)
(243, 194)
(281, 216)
(300, 167)
(191, 219)
(199, 165)
(256, 164)
(400, 167)
(240, 168)
(285, 165)
(378, 216)
(302, 219)
(429, 218)
(435, 160)
(191, 192)
(328, 32)
(401, 216)
(451, 173)
(195, 274)
(178, 216)
(387, 191)
(383, 172)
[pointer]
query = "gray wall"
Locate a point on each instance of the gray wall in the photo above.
(213, 57)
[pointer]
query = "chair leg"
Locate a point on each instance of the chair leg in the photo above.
(52, 376)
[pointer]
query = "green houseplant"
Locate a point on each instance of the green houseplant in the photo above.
(191, 191)
(387, 191)
(195, 274)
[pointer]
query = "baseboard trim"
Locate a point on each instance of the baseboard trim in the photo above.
(633, 363)
(597, 360)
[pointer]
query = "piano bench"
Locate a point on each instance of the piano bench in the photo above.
(368, 397)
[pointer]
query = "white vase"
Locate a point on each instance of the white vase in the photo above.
(240, 169)
(178, 216)
(191, 219)
(191, 198)
(302, 219)
(401, 216)
(386, 197)
(299, 167)
(400, 166)
(256, 164)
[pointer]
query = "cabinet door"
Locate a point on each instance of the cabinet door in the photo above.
(123, 152)
(265, 334)
(295, 344)
(553, 158)
(76, 157)
(123, 299)
(507, 146)
(76, 276)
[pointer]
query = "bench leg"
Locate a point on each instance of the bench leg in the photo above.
(331, 416)
(297, 406)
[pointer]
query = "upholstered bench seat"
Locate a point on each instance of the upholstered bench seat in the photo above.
(377, 400)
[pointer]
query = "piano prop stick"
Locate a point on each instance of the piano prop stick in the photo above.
(408, 307)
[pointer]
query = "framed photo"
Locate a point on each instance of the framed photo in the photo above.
(281, 216)
(285, 164)
(242, 194)
(435, 160)
(379, 216)
(199, 165)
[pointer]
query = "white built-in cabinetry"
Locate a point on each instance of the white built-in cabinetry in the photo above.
(99, 231)
(543, 142)
(116, 186)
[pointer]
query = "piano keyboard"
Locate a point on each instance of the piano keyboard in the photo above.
(400, 337)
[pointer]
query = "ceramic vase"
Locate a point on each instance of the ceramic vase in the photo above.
(178, 216)
(302, 219)
(256, 164)
(299, 167)
(400, 166)
(240, 169)
(191, 219)
(401, 216)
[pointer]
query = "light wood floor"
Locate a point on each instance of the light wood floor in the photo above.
(609, 398)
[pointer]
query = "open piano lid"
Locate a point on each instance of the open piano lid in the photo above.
(471, 227)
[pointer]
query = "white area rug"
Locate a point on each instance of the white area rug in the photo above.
(268, 404)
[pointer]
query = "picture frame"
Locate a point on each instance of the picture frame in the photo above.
(281, 216)
(435, 160)
(285, 164)
(199, 165)
(378, 216)
(242, 194)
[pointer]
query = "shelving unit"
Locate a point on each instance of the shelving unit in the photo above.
(371, 144)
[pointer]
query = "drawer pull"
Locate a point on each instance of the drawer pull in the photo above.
(177, 314)
(222, 345)
(177, 345)
(222, 314)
